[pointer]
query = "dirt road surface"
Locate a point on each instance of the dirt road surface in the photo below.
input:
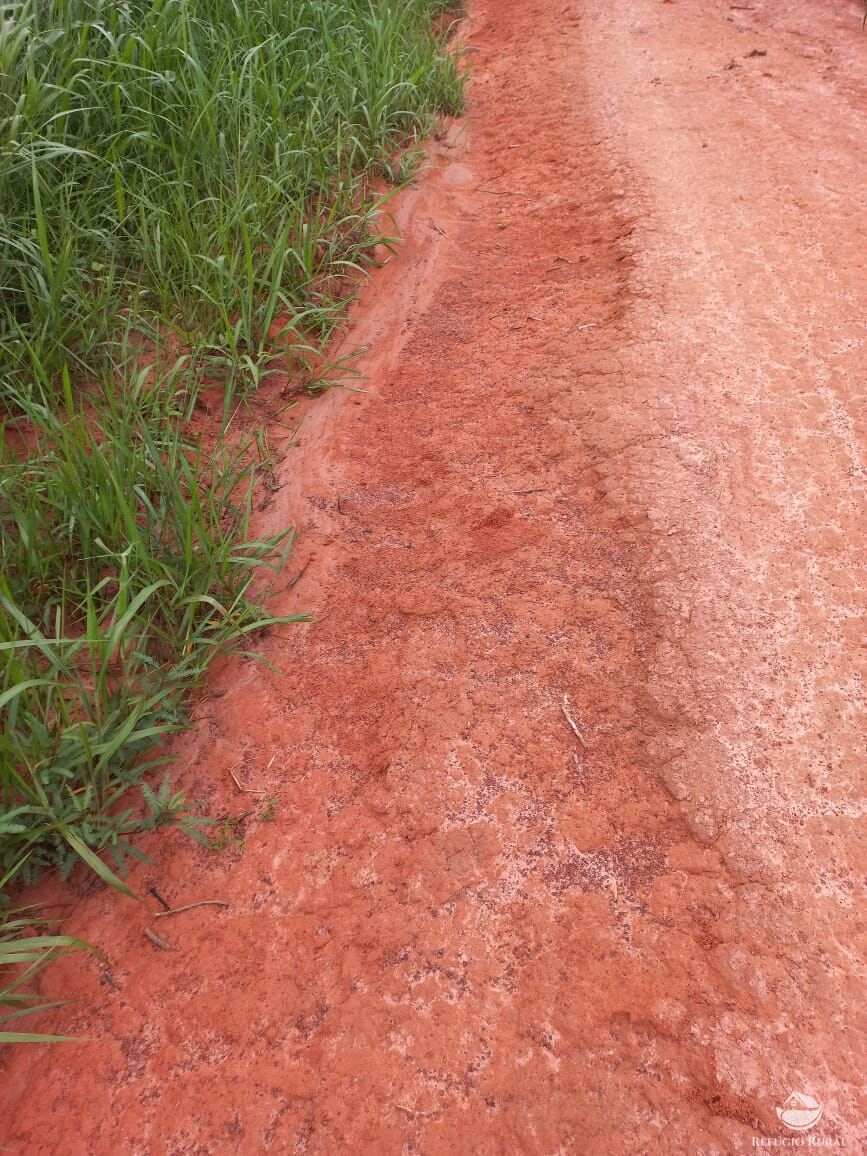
(613, 450)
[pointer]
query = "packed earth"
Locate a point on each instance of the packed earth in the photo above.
(542, 836)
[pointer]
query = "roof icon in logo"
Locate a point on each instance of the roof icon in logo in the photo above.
(800, 1112)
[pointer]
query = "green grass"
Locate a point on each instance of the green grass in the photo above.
(180, 180)
(25, 949)
(195, 168)
(126, 566)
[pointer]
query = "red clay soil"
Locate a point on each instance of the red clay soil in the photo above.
(613, 449)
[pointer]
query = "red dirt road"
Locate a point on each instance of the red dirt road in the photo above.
(614, 449)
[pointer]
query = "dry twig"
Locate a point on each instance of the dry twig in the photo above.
(243, 790)
(566, 708)
(156, 940)
(190, 906)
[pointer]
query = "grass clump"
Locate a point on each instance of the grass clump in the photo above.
(126, 566)
(180, 180)
(196, 167)
(26, 947)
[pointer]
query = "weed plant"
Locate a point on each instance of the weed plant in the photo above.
(179, 179)
(195, 167)
(26, 946)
